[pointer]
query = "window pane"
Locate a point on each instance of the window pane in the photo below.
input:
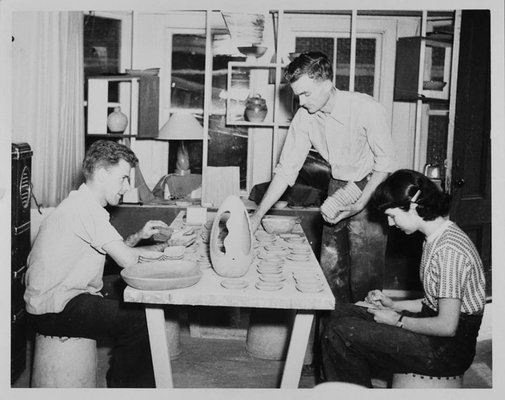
(188, 71)
(365, 66)
(323, 44)
(102, 43)
(343, 63)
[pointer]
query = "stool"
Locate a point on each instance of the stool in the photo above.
(63, 362)
(411, 380)
(268, 333)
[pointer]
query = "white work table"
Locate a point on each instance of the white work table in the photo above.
(209, 292)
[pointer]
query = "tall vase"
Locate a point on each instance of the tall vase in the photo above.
(232, 255)
(117, 121)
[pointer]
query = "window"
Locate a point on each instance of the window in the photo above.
(227, 144)
(338, 49)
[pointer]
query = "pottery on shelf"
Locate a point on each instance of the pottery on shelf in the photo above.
(117, 121)
(231, 239)
(256, 109)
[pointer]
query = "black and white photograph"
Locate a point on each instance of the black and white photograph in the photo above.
(298, 197)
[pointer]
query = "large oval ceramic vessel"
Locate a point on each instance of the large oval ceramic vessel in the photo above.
(231, 239)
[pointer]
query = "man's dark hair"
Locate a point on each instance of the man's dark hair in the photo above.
(106, 153)
(314, 64)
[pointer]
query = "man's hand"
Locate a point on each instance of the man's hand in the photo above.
(342, 213)
(151, 228)
(255, 222)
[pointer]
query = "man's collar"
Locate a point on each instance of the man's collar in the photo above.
(86, 190)
(339, 108)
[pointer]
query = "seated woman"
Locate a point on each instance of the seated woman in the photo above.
(435, 335)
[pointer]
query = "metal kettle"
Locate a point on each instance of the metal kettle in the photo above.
(432, 171)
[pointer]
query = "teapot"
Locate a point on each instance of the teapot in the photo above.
(256, 109)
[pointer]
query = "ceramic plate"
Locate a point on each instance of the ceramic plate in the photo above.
(298, 257)
(277, 278)
(270, 286)
(234, 284)
(306, 288)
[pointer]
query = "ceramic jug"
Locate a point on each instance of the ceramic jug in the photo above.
(256, 109)
(231, 239)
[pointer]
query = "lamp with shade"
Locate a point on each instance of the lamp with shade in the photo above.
(182, 126)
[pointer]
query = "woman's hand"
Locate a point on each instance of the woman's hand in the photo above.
(151, 228)
(384, 316)
(379, 299)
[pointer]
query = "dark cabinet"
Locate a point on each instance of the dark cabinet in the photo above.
(429, 57)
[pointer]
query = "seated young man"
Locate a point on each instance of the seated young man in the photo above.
(65, 267)
(435, 335)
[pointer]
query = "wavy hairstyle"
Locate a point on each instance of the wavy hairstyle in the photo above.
(313, 63)
(400, 188)
(106, 153)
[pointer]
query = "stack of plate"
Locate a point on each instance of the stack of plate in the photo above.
(273, 250)
(150, 256)
(308, 281)
(174, 252)
(234, 283)
(271, 274)
(299, 252)
(342, 197)
(203, 261)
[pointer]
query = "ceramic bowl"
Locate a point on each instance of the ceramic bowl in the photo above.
(279, 223)
(162, 275)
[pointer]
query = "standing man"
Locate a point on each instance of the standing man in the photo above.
(66, 263)
(351, 132)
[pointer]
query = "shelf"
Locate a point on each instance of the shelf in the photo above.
(260, 124)
(112, 136)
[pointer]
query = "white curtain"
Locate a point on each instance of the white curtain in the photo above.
(48, 85)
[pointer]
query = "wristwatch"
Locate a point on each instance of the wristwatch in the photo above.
(399, 323)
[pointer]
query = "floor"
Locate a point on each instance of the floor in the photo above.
(224, 363)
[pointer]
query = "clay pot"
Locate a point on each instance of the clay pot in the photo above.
(231, 240)
(256, 109)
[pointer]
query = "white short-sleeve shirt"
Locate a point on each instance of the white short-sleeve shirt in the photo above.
(67, 257)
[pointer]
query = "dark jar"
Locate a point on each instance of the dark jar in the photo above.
(256, 109)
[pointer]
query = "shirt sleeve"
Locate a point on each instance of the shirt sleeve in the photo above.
(379, 139)
(295, 149)
(452, 274)
(95, 228)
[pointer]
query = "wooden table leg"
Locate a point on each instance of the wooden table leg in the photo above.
(159, 347)
(296, 351)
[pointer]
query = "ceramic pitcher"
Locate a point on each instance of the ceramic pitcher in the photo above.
(231, 239)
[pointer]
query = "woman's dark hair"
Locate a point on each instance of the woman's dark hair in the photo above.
(106, 153)
(399, 189)
(314, 63)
